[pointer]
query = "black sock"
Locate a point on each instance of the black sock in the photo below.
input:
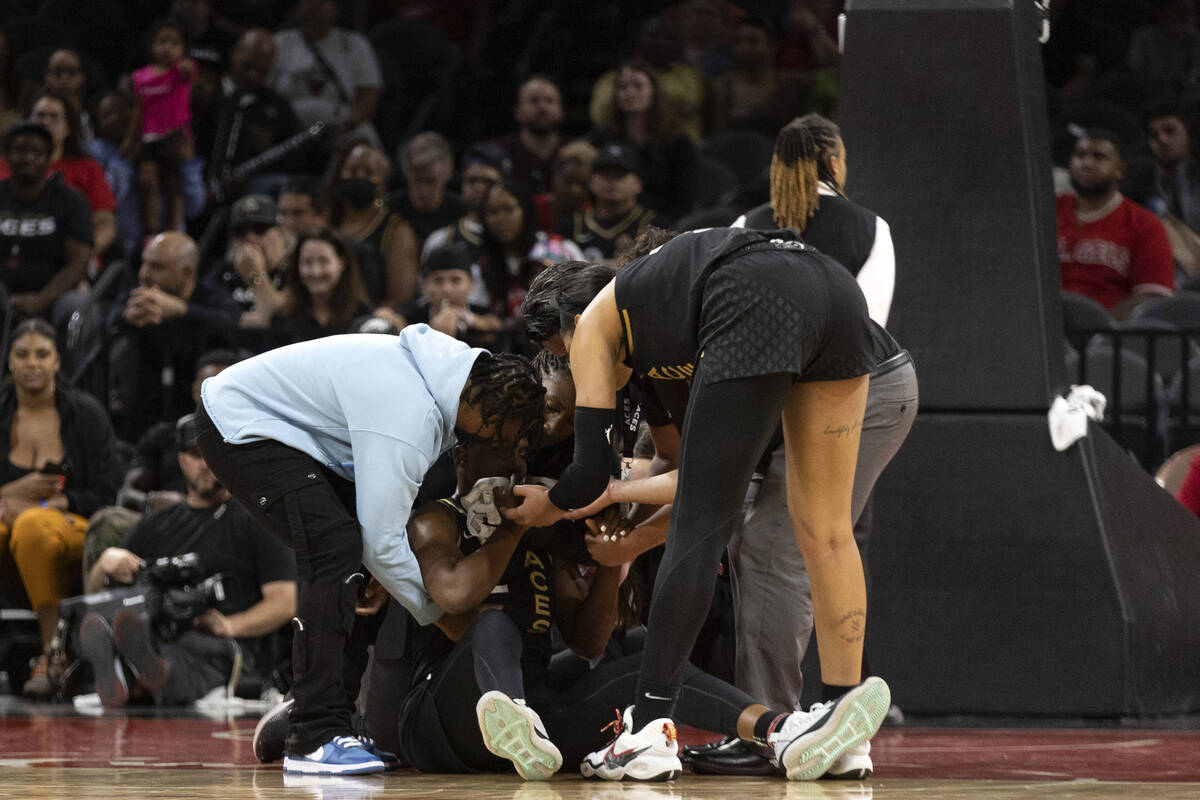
(652, 705)
(831, 692)
(767, 724)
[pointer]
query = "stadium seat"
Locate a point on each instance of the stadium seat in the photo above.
(1182, 310)
(1137, 335)
(1082, 313)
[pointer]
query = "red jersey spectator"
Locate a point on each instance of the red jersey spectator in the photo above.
(1109, 248)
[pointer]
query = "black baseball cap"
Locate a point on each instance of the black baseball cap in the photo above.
(254, 209)
(27, 126)
(185, 432)
(451, 256)
(618, 156)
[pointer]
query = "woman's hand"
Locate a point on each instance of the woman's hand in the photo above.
(596, 506)
(33, 487)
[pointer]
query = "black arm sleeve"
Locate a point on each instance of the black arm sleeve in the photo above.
(588, 473)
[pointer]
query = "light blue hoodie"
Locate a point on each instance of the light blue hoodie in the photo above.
(377, 410)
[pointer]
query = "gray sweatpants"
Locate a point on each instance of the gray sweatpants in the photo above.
(771, 596)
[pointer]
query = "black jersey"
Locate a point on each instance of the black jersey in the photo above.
(601, 239)
(662, 296)
(525, 590)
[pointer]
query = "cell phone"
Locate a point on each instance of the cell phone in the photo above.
(51, 468)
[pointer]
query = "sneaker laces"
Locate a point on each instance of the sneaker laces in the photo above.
(616, 726)
(347, 742)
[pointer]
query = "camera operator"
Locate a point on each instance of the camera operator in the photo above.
(259, 579)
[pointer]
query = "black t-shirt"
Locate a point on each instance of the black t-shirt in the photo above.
(33, 235)
(527, 167)
(230, 542)
(426, 222)
(224, 277)
(240, 125)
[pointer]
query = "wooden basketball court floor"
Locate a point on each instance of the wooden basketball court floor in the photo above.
(51, 752)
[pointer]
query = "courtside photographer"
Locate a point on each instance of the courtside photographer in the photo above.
(139, 649)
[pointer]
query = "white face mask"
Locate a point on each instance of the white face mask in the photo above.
(483, 517)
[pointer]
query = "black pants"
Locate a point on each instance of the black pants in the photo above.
(726, 429)
(439, 730)
(313, 510)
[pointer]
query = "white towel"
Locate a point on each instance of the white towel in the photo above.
(1068, 417)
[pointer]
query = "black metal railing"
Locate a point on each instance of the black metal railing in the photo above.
(1146, 375)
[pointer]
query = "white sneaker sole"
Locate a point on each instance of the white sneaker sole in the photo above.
(300, 766)
(855, 719)
(650, 768)
(852, 768)
(509, 733)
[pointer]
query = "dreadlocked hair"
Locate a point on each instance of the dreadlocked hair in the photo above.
(504, 387)
(548, 364)
(799, 164)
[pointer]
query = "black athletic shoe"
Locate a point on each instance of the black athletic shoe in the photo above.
(271, 732)
(730, 756)
(131, 631)
(98, 649)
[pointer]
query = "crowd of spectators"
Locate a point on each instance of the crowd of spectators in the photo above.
(252, 174)
(239, 176)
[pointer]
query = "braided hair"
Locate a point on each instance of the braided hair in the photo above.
(504, 387)
(800, 163)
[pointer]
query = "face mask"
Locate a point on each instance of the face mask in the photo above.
(483, 517)
(355, 192)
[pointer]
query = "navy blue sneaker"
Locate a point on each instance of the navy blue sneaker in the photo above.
(343, 755)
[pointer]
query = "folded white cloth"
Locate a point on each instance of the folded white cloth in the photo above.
(1068, 417)
(483, 516)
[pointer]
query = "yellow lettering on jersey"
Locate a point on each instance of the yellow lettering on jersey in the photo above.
(679, 372)
(541, 605)
(538, 581)
(531, 560)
